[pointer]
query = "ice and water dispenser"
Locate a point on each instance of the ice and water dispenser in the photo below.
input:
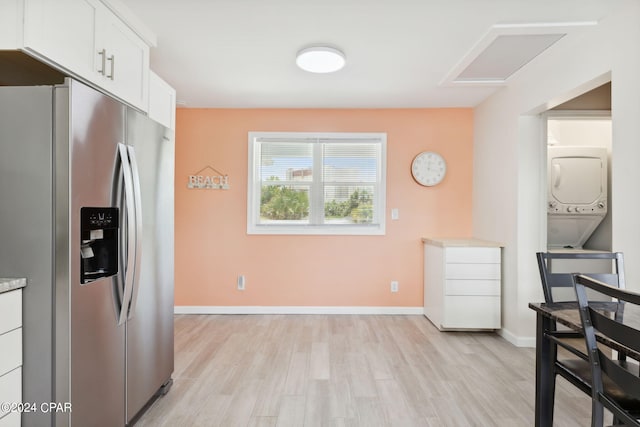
(99, 245)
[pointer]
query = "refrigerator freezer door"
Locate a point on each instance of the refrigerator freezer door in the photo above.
(93, 353)
(150, 328)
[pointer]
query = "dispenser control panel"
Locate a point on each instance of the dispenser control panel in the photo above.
(94, 218)
(99, 230)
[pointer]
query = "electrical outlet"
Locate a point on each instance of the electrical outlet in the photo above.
(241, 283)
(394, 286)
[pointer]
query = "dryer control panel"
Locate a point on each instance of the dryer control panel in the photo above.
(596, 208)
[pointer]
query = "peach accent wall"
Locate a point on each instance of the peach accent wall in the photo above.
(212, 245)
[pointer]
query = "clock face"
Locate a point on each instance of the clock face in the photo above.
(428, 168)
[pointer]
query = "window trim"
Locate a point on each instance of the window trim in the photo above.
(254, 186)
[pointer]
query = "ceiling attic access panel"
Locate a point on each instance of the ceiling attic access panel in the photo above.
(507, 48)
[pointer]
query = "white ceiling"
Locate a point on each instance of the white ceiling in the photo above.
(241, 53)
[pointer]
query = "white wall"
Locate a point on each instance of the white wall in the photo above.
(509, 153)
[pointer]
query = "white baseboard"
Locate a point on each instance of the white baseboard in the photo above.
(516, 340)
(191, 309)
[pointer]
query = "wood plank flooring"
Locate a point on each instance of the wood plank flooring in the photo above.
(341, 370)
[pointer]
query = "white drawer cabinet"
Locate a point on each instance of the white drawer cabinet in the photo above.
(462, 284)
(11, 354)
(11, 420)
(10, 392)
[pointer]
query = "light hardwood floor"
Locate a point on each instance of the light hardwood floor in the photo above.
(340, 370)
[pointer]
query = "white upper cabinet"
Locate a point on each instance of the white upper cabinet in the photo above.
(63, 32)
(10, 28)
(86, 38)
(162, 101)
(122, 60)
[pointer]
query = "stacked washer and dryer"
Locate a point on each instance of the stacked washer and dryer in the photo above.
(577, 203)
(577, 194)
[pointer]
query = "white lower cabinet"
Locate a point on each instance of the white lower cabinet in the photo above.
(11, 420)
(10, 355)
(462, 284)
(11, 393)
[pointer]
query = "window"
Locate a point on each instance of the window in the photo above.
(316, 183)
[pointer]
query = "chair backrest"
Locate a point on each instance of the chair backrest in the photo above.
(606, 267)
(622, 394)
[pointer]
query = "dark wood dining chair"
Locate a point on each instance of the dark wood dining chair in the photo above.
(557, 285)
(615, 383)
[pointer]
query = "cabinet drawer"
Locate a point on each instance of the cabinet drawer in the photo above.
(10, 310)
(11, 420)
(471, 312)
(11, 354)
(472, 271)
(473, 255)
(472, 287)
(11, 388)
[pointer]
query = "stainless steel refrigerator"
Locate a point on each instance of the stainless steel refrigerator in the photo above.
(86, 215)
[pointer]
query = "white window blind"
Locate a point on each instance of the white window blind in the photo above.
(308, 183)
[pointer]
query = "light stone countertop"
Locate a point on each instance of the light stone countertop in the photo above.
(472, 242)
(7, 285)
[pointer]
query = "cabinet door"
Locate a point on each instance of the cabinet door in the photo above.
(62, 31)
(10, 30)
(126, 60)
(162, 101)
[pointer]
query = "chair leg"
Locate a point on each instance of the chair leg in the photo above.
(597, 413)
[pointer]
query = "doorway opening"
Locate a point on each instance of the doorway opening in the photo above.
(578, 179)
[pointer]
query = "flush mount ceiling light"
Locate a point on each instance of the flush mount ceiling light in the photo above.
(320, 59)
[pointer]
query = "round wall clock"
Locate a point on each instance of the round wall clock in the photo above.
(428, 168)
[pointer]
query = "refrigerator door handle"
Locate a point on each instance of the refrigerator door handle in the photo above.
(127, 244)
(138, 231)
